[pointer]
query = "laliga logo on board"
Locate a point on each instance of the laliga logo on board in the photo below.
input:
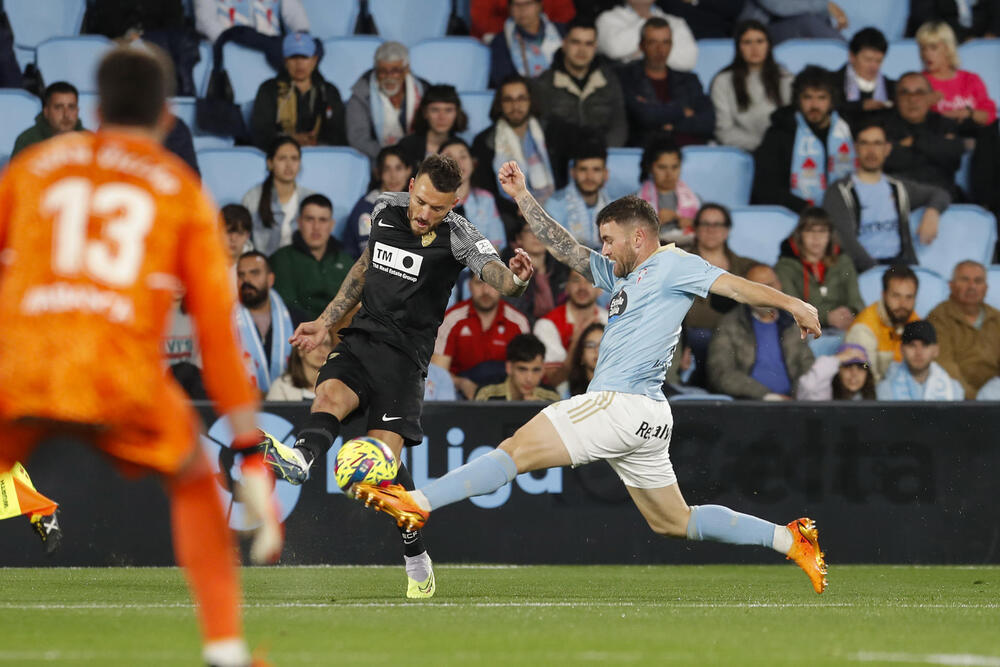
(226, 465)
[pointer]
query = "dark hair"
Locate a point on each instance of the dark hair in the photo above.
(257, 253)
(711, 206)
(57, 88)
(899, 272)
(868, 124)
(841, 393)
(376, 180)
(496, 109)
(770, 72)
(654, 22)
(133, 86)
(443, 171)
(435, 94)
(316, 199)
(868, 38)
(296, 370)
(455, 141)
(589, 149)
(525, 347)
(813, 76)
(577, 374)
(579, 21)
(627, 210)
(651, 153)
(812, 216)
(267, 187)
(237, 218)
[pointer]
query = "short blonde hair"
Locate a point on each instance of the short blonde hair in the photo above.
(939, 31)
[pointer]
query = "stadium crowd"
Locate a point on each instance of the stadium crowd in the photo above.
(852, 153)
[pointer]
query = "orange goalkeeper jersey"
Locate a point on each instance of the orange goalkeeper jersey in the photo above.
(97, 232)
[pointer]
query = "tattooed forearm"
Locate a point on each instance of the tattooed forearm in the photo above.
(556, 238)
(502, 279)
(349, 293)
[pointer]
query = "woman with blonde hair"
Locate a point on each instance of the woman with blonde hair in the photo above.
(959, 94)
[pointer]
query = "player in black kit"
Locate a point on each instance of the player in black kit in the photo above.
(417, 248)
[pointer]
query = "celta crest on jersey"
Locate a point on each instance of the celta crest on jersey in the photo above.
(617, 305)
(396, 261)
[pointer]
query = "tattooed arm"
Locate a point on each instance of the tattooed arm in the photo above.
(309, 335)
(554, 236)
(502, 278)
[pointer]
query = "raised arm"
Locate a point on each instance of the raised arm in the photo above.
(762, 296)
(308, 335)
(556, 238)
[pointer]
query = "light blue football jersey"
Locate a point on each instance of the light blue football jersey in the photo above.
(644, 318)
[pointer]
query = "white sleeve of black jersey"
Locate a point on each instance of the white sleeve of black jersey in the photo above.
(469, 246)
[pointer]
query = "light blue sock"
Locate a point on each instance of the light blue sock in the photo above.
(715, 523)
(481, 475)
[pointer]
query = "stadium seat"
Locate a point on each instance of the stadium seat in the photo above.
(795, 54)
(720, 174)
(889, 16)
(228, 173)
(24, 56)
(462, 62)
(247, 69)
(410, 22)
(205, 141)
(993, 285)
(903, 56)
(963, 177)
(87, 108)
(331, 18)
(759, 230)
(476, 104)
(966, 231)
(34, 21)
(202, 68)
(932, 290)
(699, 397)
(347, 58)
(183, 108)
(713, 56)
(72, 59)
(982, 56)
(340, 173)
(623, 171)
(19, 109)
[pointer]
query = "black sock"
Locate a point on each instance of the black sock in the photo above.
(413, 543)
(318, 434)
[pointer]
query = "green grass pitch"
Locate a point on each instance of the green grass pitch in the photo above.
(495, 615)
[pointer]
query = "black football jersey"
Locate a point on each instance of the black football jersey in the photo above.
(410, 278)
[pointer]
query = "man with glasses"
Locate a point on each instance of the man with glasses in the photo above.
(871, 211)
(925, 145)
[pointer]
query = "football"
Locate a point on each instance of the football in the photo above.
(366, 460)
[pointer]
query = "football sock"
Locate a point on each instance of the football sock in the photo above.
(715, 523)
(413, 543)
(419, 567)
(204, 547)
(226, 653)
(318, 434)
(479, 476)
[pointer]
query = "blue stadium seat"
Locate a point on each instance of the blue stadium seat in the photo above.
(889, 16)
(410, 22)
(72, 59)
(34, 21)
(966, 232)
(183, 108)
(87, 107)
(963, 177)
(713, 56)
(247, 69)
(228, 173)
(720, 174)
(347, 58)
(982, 56)
(795, 54)
(759, 230)
(331, 18)
(623, 171)
(903, 56)
(205, 141)
(932, 290)
(202, 68)
(993, 285)
(699, 397)
(18, 108)
(340, 173)
(24, 56)
(462, 62)
(476, 104)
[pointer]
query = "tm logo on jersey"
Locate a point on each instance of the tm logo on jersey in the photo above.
(400, 263)
(617, 306)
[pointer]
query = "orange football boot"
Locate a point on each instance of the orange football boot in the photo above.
(805, 551)
(395, 501)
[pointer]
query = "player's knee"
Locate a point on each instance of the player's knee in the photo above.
(329, 399)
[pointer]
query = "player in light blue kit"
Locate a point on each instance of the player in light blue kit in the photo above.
(624, 417)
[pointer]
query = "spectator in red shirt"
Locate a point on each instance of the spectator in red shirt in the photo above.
(563, 325)
(958, 94)
(472, 341)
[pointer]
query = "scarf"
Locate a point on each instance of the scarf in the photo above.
(579, 221)
(808, 179)
(531, 59)
(937, 387)
(281, 329)
(687, 200)
(261, 15)
(817, 270)
(538, 170)
(385, 117)
(853, 86)
(481, 210)
(287, 115)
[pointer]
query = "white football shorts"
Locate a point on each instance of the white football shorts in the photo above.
(629, 431)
